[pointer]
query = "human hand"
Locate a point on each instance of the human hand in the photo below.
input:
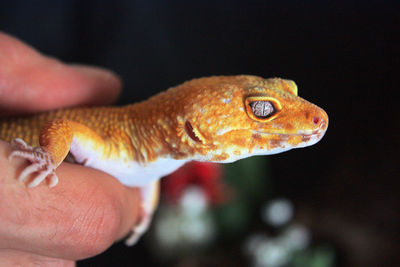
(88, 209)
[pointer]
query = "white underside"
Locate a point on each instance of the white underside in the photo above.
(128, 172)
(131, 173)
(135, 174)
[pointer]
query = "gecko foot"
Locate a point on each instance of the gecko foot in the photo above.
(41, 163)
(138, 230)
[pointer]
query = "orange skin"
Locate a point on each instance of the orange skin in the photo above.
(158, 127)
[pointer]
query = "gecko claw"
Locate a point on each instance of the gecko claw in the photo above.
(40, 163)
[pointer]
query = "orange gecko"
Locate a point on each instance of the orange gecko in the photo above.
(215, 119)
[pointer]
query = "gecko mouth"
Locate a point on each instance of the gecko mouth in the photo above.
(268, 143)
(313, 134)
(319, 133)
(306, 138)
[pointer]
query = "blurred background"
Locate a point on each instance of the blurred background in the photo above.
(332, 204)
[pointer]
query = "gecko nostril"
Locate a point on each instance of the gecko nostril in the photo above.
(316, 120)
(319, 122)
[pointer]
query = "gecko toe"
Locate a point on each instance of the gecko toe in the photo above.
(29, 155)
(19, 143)
(132, 239)
(27, 171)
(138, 230)
(12, 154)
(40, 160)
(53, 180)
(39, 178)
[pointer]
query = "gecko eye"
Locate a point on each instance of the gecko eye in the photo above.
(262, 108)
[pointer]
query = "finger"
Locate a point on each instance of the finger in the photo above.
(21, 258)
(80, 217)
(32, 82)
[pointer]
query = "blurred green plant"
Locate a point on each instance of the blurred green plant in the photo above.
(320, 256)
(250, 184)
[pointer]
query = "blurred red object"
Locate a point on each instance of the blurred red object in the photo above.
(208, 176)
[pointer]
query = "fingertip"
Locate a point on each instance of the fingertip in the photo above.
(131, 210)
(31, 82)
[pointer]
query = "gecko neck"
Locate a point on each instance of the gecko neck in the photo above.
(150, 133)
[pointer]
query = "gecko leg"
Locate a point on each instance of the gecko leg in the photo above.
(150, 195)
(55, 141)
(40, 163)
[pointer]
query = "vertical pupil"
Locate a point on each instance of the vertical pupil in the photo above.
(262, 108)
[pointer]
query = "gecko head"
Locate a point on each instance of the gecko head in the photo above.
(226, 118)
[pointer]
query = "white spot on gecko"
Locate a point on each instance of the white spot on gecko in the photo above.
(223, 131)
(225, 116)
(277, 126)
(226, 100)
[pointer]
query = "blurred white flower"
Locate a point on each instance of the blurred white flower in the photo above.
(296, 237)
(254, 241)
(271, 254)
(193, 201)
(278, 212)
(167, 229)
(187, 225)
(277, 251)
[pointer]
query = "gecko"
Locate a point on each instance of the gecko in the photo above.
(213, 119)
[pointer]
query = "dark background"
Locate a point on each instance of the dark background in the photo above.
(344, 56)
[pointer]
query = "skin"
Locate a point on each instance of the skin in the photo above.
(96, 209)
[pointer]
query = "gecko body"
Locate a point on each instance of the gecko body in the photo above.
(215, 119)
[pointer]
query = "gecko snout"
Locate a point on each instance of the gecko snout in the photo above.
(320, 120)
